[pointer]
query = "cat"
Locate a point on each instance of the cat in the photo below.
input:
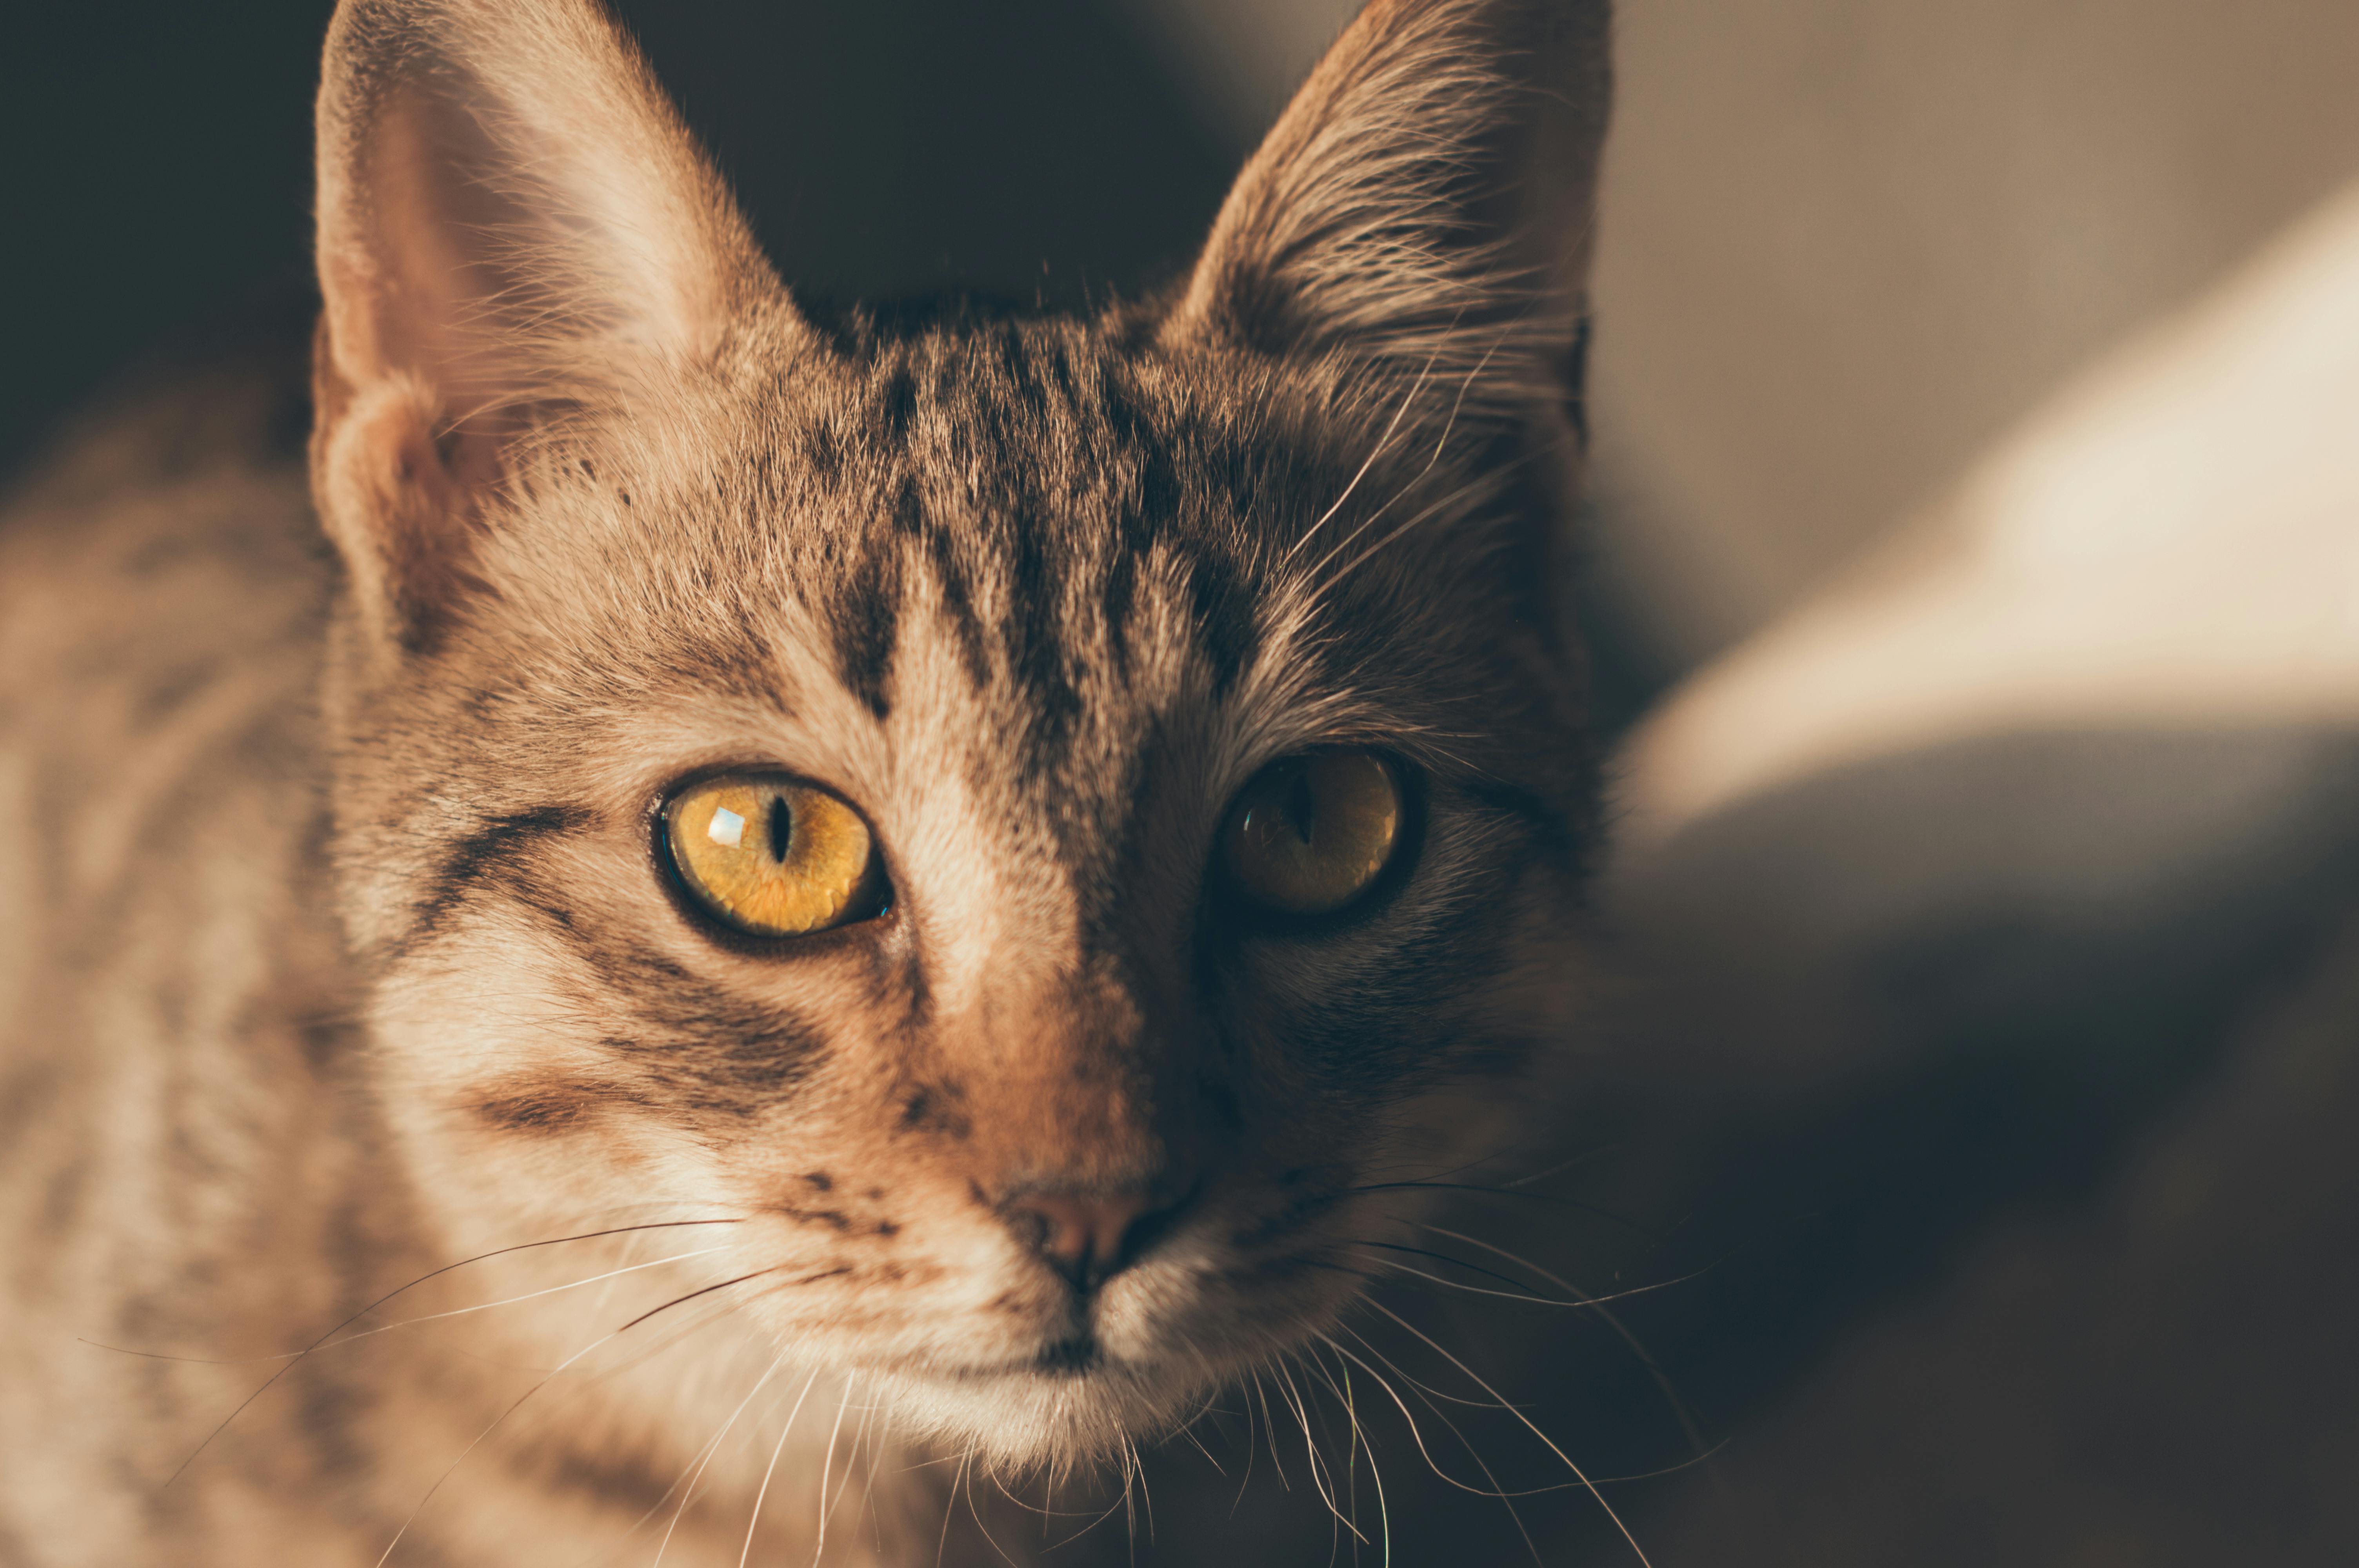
(718, 877)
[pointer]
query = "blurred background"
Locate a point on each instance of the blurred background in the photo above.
(1972, 568)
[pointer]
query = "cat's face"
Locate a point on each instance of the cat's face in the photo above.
(1032, 819)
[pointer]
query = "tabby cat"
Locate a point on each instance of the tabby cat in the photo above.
(787, 901)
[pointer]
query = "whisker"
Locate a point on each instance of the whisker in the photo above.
(949, 1507)
(1440, 446)
(872, 1460)
(1549, 1442)
(966, 1477)
(543, 1383)
(1146, 1492)
(530, 1295)
(1383, 441)
(1429, 1394)
(1129, 1500)
(827, 1464)
(1188, 1431)
(1319, 1477)
(1359, 1444)
(1097, 1519)
(656, 1507)
(428, 1317)
(1648, 1231)
(1481, 482)
(691, 1325)
(1505, 1499)
(1559, 1168)
(480, 1257)
(1525, 1292)
(1688, 1426)
(855, 1460)
(1345, 1268)
(704, 1458)
(1247, 1481)
(785, 1429)
(1046, 1510)
(1271, 1427)
(1688, 1463)
(1425, 1390)
(1414, 1274)
(1529, 1297)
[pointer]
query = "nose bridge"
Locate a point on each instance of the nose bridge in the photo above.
(1079, 1089)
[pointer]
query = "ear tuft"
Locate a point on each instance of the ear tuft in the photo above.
(1422, 209)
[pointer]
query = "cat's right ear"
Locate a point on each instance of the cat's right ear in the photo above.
(512, 221)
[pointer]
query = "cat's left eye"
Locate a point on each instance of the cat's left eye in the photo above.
(773, 856)
(1310, 835)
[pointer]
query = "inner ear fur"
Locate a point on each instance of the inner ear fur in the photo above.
(512, 221)
(1422, 209)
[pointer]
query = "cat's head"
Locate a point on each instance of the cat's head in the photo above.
(1033, 817)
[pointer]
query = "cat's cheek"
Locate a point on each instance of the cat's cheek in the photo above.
(507, 1088)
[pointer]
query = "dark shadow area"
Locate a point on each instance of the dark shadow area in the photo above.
(159, 163)
(159, 171)
(1032, 148)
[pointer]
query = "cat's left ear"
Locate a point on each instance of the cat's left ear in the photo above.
(512, 221)
(1422, 213)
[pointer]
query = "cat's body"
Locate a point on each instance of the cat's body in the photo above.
(344, 943)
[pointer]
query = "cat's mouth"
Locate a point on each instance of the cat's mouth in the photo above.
(1079, 1390)
(1070, 1357)
(1075, 1356)
(997, 1343)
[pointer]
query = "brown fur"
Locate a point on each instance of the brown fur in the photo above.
(320, 998)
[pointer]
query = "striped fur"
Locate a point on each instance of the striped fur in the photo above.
(321, 995)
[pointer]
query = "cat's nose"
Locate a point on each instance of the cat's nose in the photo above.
(1083, 1236)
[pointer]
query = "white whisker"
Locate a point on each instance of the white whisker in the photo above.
(1359, 1444)
(1688, 1426)
(1383, 441)
(412, 1517)
(827, 1462)
(529, 1295)
(763, 1492)
(1549, 1443)
(1504, 1497)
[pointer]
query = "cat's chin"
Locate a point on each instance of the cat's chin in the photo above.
(1039, 1418)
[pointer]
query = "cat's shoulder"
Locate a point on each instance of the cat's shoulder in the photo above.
(164, 595)
(164, 544)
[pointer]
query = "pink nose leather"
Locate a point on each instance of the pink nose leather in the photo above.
(1080, 1237)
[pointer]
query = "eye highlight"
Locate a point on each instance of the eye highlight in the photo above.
(1311, 834)
(773, 856)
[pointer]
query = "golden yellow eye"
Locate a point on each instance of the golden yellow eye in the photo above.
(771, 856)
(1312, 833)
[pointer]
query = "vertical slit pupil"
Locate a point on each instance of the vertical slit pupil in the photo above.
(1301, 805)
(782, 827)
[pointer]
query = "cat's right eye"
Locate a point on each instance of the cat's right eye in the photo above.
(773, 856)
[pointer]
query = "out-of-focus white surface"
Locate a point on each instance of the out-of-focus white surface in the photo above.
(1847, 242)
(2086, 736)
(2172, 544)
